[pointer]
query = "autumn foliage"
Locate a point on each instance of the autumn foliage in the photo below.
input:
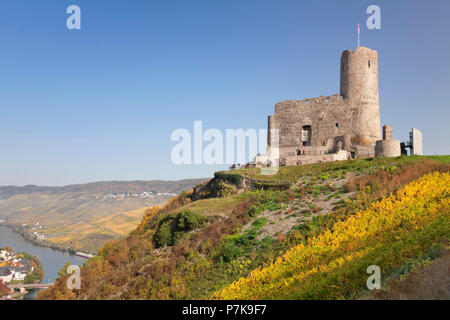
(4, 290)
(332, 265)
(196, 249)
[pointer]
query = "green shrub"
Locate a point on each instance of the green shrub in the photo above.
(163, 236)
(267, 242)
(272, 206)
(224, 189)
(258, 224)
(253, 211)
(247, 237)
(231, 251)
(235, 179)
(172, 227)
(30, 278)
(188, 220)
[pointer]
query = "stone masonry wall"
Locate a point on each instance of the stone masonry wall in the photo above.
(349, 121)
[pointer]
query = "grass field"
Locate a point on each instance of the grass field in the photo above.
(324, 170)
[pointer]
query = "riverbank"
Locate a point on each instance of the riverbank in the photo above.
(22, 231)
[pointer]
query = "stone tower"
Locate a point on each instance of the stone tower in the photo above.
(359, 85)
(334, 127)
(387, 147)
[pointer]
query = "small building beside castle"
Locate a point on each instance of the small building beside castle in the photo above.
(336, 127)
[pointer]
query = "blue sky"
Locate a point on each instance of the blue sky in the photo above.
(100, 103)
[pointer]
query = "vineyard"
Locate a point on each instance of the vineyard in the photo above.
(332, 265)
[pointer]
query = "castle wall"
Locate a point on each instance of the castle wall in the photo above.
(334, 121)
(315, 158)
(327, 117)
(349, 121)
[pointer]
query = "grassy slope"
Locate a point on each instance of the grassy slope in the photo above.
(359, 166)
(221, 251)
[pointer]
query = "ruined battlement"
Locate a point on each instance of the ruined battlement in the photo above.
(287, 104)
(322, 99)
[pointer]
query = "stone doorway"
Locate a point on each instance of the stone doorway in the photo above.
(306, 136)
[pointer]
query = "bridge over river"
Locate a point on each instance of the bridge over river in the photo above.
(30, 286)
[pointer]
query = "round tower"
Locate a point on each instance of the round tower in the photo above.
(387, 147)
(359, 85)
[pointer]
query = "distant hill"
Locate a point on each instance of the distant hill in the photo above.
(84, 216)
(104, 187)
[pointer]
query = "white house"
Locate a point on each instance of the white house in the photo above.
(5, 274)
(6, 255)
(19, 274)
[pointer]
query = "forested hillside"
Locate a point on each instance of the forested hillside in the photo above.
(308, 232)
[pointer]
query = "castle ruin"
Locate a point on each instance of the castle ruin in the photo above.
(336, 127)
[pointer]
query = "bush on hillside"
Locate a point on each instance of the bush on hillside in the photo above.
(231, 251)
(222, 189)
(172, 227)
(234, 179)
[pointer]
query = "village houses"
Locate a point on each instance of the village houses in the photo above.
(12, 267)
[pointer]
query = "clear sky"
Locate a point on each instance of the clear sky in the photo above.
(100, 103)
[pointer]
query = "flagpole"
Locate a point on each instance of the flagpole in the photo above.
(358, 35)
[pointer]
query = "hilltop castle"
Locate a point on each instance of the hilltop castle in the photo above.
(337, 127)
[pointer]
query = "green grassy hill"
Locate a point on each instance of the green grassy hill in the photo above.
(223, 237)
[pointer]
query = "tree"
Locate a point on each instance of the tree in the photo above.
(4, 290)
(30, 278)
(63, 271)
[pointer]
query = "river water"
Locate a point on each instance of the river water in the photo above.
(52, 260)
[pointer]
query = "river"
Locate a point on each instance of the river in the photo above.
(52, 260)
